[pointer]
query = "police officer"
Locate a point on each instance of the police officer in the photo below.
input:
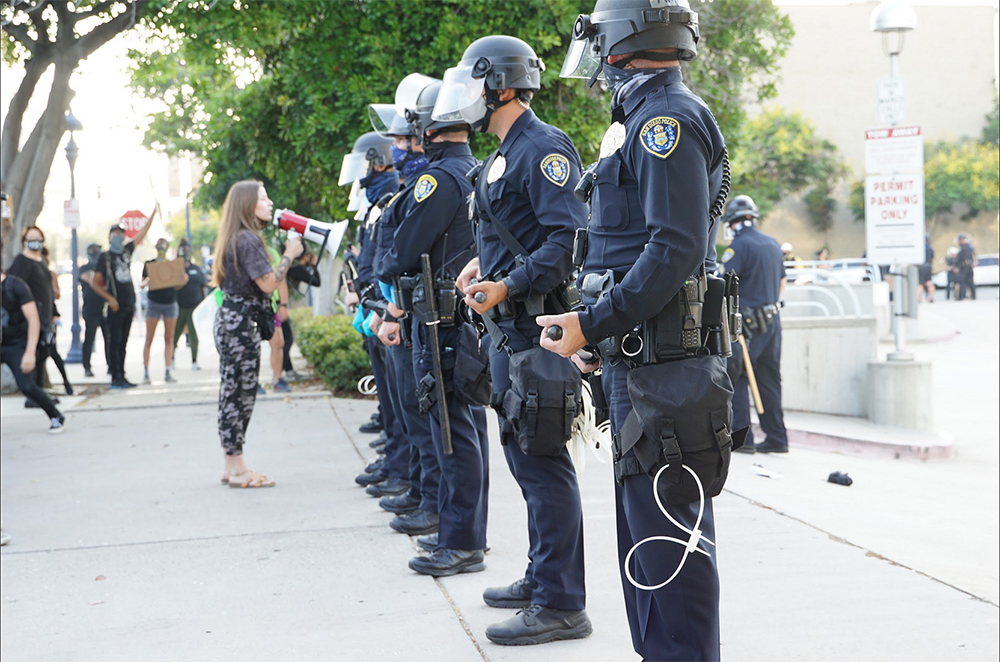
(418, 510)
(651, 234)
(757, 259)
(527, 194)
(431, 217)
(370, 167)
(965, 261)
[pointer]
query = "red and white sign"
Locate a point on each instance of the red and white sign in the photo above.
(132, 222)
(71, 213)
(894, 219)
(899, 149)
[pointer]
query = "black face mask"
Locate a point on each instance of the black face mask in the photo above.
(433, 151)
(92, 258)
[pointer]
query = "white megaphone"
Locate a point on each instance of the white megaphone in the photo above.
(328, 235)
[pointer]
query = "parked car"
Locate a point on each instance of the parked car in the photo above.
(852, 270)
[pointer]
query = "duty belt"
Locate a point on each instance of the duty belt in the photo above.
(412, 299)
(757, 320)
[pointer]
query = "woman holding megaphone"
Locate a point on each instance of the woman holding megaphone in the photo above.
(244, 273)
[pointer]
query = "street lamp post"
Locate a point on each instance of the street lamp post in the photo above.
(75, 354)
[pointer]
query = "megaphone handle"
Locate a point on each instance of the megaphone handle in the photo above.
(319, 256)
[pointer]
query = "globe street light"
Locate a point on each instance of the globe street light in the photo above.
(893, 20)
(75, 354)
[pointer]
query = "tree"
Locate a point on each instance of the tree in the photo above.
(959, 179)
(991, 132)
(44, 34)
(279, 104)
(781, 155)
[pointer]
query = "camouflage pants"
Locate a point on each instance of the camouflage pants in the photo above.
(238, 343)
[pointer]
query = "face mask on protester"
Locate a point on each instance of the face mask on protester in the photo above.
(35, 244)
(117, 244)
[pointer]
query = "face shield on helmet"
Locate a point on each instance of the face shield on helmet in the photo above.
(461, 96)
(357, 200)
(354, 167)
(582, 60)
(387, 122)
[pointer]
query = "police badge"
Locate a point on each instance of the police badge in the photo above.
(497, 170)
(555, 167)
(659, 136)
(424, 187)
(613, 139)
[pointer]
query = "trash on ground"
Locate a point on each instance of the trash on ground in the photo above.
(840, 478)
(766, 473)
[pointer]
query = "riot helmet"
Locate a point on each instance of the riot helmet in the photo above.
(370, 149)
(636, 27)
(470, 92)
(740, 208)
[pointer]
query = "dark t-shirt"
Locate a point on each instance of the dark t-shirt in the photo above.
(16, 293)
(253, 263)
(92, 301)
(38, 279)
(165, 296)
(121, 288)
(193, 292)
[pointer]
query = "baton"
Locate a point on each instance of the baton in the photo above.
(751, 377)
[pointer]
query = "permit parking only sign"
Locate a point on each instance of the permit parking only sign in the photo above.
(894, 218)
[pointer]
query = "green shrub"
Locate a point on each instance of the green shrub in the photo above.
(334, 349)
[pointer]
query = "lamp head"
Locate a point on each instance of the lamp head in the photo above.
(892, 20)
(72, 123)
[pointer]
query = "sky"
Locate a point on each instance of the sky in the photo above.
(114, 172)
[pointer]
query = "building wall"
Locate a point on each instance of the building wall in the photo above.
(830, 75)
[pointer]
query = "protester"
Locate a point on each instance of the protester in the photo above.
(113, 283)
(162, 305)
(18, 349)
(244, 274)
(950, 260)
(279, 301)
(926, 284)
(188, 298)
(93, 312)
(31, 268)
(301, 276)
(51, 350)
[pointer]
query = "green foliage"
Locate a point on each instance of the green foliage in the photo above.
(958, 178)
(278, 90)
(333, 348)
(991, 132)
(204, 228)
(782, 155)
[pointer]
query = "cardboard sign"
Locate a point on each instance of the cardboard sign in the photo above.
(165, 275)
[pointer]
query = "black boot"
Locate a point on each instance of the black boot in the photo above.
(515, 596)
(746, 448)
(540, 625)
(375, 466)
(389, 487)
(371, 426)
(364, 479)
(447, 562)
(402, 504)
(429, 543)
(378, 442)
(417, 523)
(769, 446)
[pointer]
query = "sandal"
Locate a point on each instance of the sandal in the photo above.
(250, 479)
(225, 479)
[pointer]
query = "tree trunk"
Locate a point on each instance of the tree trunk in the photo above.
(28, 172)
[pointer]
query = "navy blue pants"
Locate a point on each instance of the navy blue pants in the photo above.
(679, 621)
(397, 450)
(463, 494)
(765, 356)
(425, 472)
(550, 490)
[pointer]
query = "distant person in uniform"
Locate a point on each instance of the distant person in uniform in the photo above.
(788, 255)
(965, 263)
(950, 259)
(756, 259)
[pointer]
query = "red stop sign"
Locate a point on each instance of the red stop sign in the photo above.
(132, 222)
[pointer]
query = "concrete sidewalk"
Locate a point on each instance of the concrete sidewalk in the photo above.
(126, 548)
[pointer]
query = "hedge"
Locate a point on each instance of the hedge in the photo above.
(333, 348)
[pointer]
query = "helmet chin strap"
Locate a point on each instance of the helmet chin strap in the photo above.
(493, 104)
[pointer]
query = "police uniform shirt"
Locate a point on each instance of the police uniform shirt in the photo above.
(757, 259)
(533, 198)
(435, 205)
(660, 170)
(366, 253)
(387, 223)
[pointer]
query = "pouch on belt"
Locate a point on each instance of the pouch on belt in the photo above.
(681, 413)
(544, 398)
(472, 369)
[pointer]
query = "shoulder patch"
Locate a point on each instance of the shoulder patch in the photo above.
(728, 255)
(424, 187)
(660, 136)
(555, 167)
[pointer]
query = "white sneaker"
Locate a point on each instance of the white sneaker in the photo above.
(146, 380)
(56, 425)
(4, 538)
(195, 366)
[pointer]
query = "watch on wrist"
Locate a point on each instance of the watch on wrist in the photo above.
(282, 305)
(512, 292)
